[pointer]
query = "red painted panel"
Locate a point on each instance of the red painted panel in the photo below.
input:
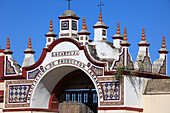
(1, 92)
(120, 108)
(1, 66)
(53, 103)
(30, 109)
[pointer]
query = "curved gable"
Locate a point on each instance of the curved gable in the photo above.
(62, 48)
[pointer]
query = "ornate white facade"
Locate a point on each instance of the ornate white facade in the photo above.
(73, 63)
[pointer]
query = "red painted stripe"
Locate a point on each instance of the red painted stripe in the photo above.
(2, 50)
(1, 99)
(1, 80)
(1, 66)
(120, 108)
(12, 77)
(30, 109)
(1, 92)
(50, 101)
(99, 108)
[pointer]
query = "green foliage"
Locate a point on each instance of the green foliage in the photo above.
(119, 72)
(140, 55)
(135, 82)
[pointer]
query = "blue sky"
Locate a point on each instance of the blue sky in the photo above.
(23, 18)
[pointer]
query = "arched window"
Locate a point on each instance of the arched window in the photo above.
(81, 38)
(86, 38)
(49, 39)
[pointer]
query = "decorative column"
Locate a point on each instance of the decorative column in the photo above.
(125, 48)
(143, 61)
(100, 30)
(160, 65)
(84, 34)
(11, 67)
(8, 51)
(125, 59)
(51, 36)
(29, 55)
(117, 38)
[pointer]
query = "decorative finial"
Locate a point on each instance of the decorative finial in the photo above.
(163, 42)
(125, 35)
(68, 4)
(100, 17)
(84, 24)
(143, 34)
(100, 5)
(8, 44)
(51, 25)
(29, 43)
(118, 28)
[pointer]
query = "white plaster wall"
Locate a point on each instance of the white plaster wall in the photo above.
(1, 54)
(65, 46)
(40, 97)
(156, 103)
(116, 43)
(28, 60)
(158, 63)
(133, 93)
(1, 85)
(1, 107)
(98, 34)
(163, 56)
(142, 50)
(104, 50)
(117, 111)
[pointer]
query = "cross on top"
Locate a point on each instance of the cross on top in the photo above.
(68, 4)
(100, 6)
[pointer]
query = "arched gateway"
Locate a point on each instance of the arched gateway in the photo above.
(47, 81)
(52, 73)
(74, 75)
(62, 75)
(66, 84)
